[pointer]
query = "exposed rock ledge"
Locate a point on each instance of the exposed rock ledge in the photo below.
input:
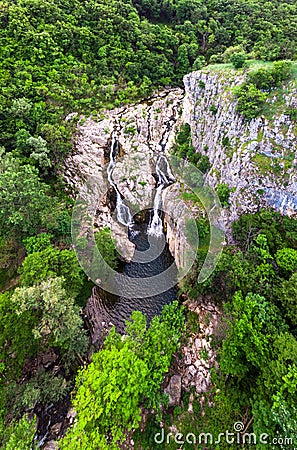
(242, 153)
(141, 129)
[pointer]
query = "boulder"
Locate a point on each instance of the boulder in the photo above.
(174, 390)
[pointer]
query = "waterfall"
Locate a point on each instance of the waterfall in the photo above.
(164, 178)
(156, 227)
(124, 215)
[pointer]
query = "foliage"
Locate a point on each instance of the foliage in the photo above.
(267, 79)
(253, 326)
(15, 337)
(238, 60)
(281, 231)
(251, 95)
(250, 100)
(56, 318)
(22, 197)
(286, 259)
(230, 51)
(287, 295)
(258, 347)
(49, 263)
(33, 320)
(67, 60)
(122, 377)
(223, 194)
(183, 148)
(11, 255)
(37, 243)
(292, 113)
(20, 434)
(213, 109)
(256, 341)
(43, 388)
(199, 63)
(106, 247)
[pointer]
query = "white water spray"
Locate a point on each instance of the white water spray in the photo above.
(124, 215)
(165, 177)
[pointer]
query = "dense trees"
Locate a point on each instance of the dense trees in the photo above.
(33, 320)
(63, 56)
(49, 263)
(238, 59)
(60, 57)
(183, 148)
(55, 319)
(257, 345)
(106, 247)
(123, 377)
(23, 197)
(252, 94)
(19, 435)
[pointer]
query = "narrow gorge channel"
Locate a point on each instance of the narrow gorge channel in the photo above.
(145, 230)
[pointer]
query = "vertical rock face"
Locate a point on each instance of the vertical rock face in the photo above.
(142, 131)
(257, 159)
(174, 390)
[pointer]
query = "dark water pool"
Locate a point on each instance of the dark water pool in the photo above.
(152, 257)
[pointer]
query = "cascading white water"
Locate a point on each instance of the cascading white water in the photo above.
(156, 227)
(165, 177)
(124, 215)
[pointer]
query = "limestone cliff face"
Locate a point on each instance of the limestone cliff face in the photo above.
(175, 219)
(257, 159)
(142, 130)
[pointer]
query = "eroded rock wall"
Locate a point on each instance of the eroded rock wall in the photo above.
(142, 130)
(257, 159)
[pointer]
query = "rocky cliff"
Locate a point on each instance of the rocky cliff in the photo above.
(142, 130)
(257, 159)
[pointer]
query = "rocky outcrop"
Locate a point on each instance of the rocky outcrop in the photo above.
(142, 130)
(174, 390)
(51, 445)
(257, 159)
(199, 355)
(175, 219)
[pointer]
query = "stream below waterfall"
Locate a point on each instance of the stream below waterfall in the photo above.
(115, 310)
(152, 255)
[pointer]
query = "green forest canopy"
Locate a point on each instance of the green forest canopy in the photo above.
(59, 57)
(64, 56)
